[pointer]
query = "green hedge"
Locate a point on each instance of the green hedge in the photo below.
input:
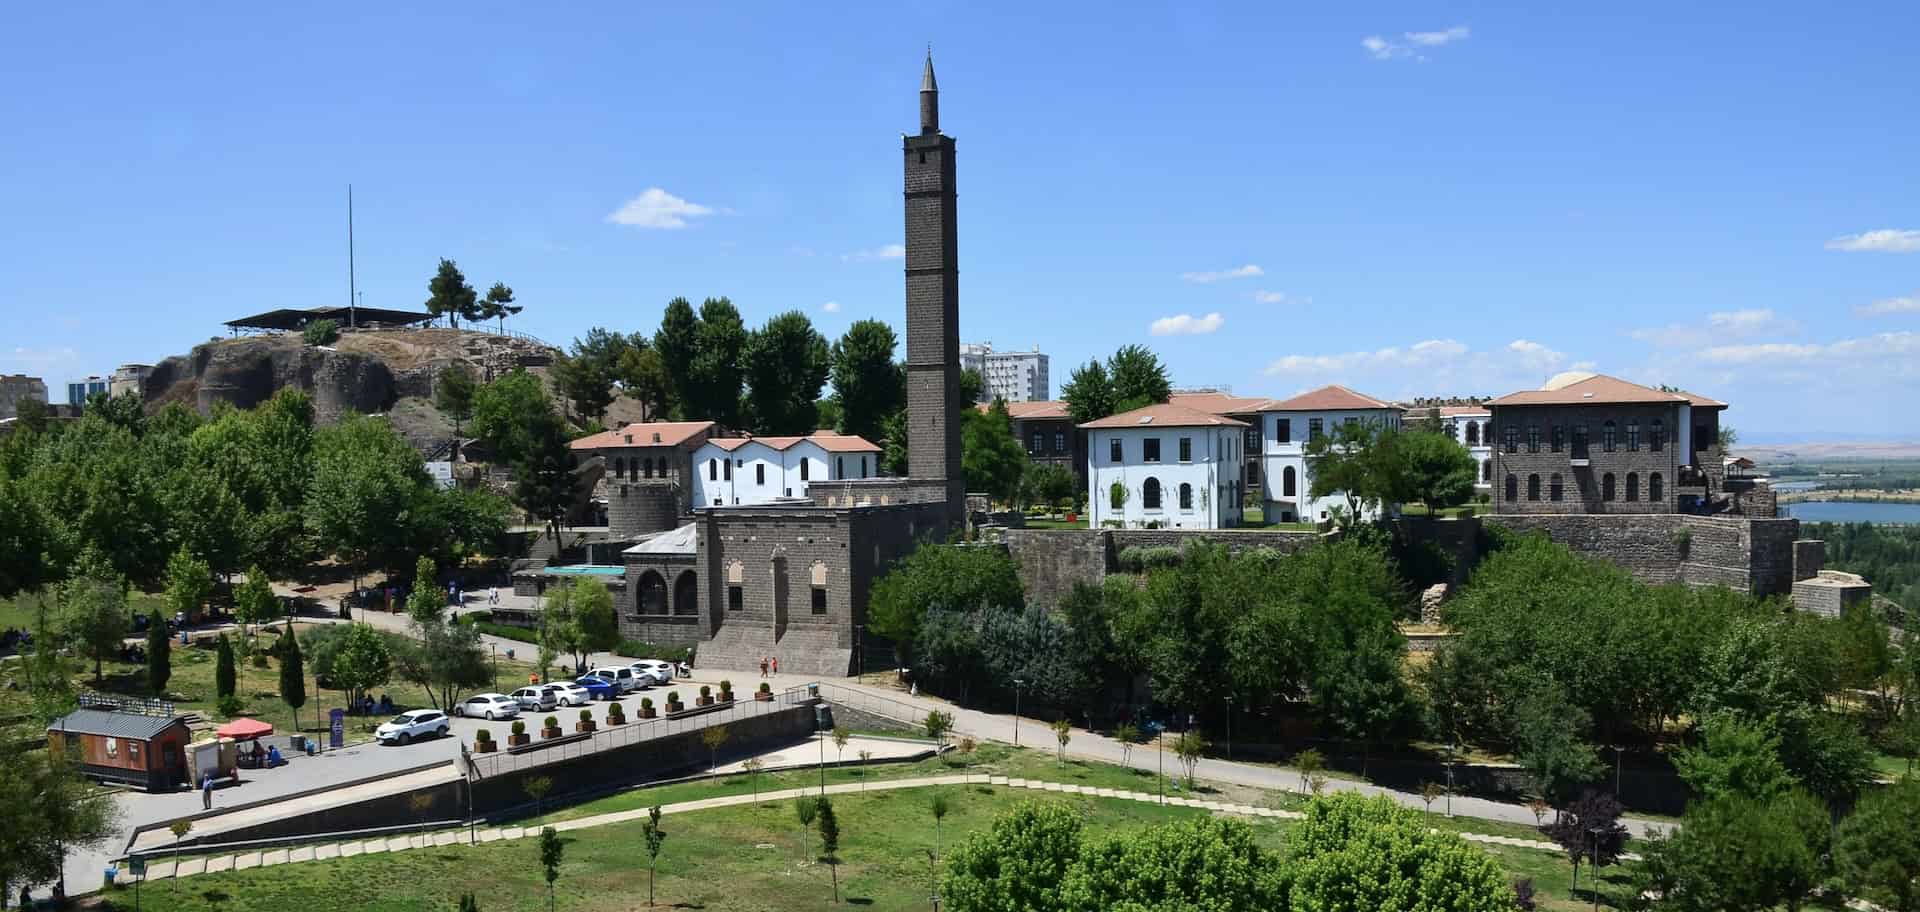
(1138, 559)
(641, 649)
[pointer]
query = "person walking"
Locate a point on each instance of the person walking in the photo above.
(206, 791)
(776, 664)
(763, 666)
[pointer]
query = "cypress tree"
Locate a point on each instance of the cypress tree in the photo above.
(159, 653)
(223, 676)
(293, 675)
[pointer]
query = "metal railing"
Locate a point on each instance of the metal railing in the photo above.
(635, 731)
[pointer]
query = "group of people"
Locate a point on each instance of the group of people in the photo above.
(365, 706)
(769, 663)
(16, 639)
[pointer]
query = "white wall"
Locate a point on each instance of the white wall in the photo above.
(1290, 453)
(1212, 471)
(762, 474)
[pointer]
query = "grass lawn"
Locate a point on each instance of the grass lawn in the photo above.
(1080, 523)
(1893, 767)
(21, 611)
(738, 859)
(258, 688)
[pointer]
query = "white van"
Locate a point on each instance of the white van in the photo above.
(622, 678)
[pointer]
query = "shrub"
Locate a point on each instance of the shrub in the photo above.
(726, 686)
(321, 332)
(646, 703)
(586, 716)
(230, 706)
(765, 687)
(519, 727)
(673, 696)
(483, 736)
(614, 712)
(552, 722)
(705, 691)
(260, 660)
(1139, 559)
(641, 649)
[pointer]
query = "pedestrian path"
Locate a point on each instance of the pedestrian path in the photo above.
(447, 838)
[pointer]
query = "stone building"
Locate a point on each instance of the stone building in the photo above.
(646, 473)
(15, 387)
(1164, 467)
(1047, 432)
(1589, 443)
(129, 378)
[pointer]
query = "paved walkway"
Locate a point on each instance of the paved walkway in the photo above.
(447, 838)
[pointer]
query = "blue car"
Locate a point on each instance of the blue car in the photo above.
(598, 688)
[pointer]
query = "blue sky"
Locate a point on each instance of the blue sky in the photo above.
(1407, 198)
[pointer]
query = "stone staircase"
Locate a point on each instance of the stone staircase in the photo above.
(738, 646)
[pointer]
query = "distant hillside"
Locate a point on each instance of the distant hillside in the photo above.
(1779, 454)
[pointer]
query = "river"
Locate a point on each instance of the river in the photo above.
(1843, 511)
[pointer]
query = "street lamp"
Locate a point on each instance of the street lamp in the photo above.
(1594, 878)
(1450, 749)
(1018, 684)
(1229, 727)
(1617, 751)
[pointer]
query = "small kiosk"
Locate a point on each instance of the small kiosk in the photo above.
(148, 751)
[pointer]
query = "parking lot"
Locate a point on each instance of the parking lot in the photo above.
(688, 688)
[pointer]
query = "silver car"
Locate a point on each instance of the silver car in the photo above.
(567, 693)
(487, 706)
(535, 699)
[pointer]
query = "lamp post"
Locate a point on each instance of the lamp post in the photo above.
(1018, 685)
(1594, 876)
(1229, 728)
(1160, 739)
(1618, 750)
(1450, 749)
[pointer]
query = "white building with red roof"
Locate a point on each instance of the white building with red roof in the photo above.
(1164, 466)
(1287, 425)
(745, 471)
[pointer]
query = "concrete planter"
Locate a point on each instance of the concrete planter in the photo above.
(521, 740)
(486, 747)
(616, 720)
(676, 707)
(763, 696)
(703, 701)
(586, 726)
(551, 733)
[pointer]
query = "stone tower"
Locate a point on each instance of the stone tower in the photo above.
(933, 302)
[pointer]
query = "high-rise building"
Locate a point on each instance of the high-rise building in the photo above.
(1016, 376)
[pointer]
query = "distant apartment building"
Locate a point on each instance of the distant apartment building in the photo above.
(129, 378)
(79, 390)
(1013, 376)
(15, 387)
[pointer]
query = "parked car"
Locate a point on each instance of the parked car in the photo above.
(622, 677)
(536, 698)
(659, 672)
(599, 688)
(487, 706)
(567, 693)
(414, 723)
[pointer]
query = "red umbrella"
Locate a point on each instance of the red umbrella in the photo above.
(244, 729)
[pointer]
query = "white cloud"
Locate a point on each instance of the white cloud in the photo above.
(1415, 355)
(1279, 297)
(39, 362)
(1428, 367)
(883, 252)
(1241, 272)
(1410, 43)
(656, 208)
(1880, 308)
(1895, 350)
(832, 307)
(1188, 324)
(1536, 356)
(1884, 240)
(1719, 327)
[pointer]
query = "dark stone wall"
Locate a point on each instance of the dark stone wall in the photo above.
(1582, 485)
(1051, 561)
(1236, 540)
(933, 307)
(635, 508)
(1749, 554)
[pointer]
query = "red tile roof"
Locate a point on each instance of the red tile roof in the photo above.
(647, 434)
(1334, 398)
(1038, 408)
(1164, 415)
(1601, 388)
(827, 440)
(1215, 402)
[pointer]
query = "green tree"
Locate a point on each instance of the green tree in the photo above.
(362, 660)
(989, 456)
(560, 632)
(712, 387)
(643, 376)
(1877, 849)
(804, 810)
(1139, 379)
(366, 483)
(448, 293)
(588, 387)
(1203, 863)
(453, 391)
(48, 810)
(159, 653)
(543, 477)
(293, 675)
(498, 304)
(1359, 853)
(426, 604)
(93, 612)
(1735, 758)
(593, 613)
(973, 388)
(941, 577)
(224, 678)
(321, 332)
(1431, 468)
(1547, 741)
(1738, 853)
(656, 837)
(1089, 393)
(1021, 863)
(893, 445)
(189, 583)
(868, 383)
(24, 537)
(830, 841)
(786, 366)
(505, 410)
(254, 602)
(551, 852)
(678, 341)
(1354, 462)
(1047, 483)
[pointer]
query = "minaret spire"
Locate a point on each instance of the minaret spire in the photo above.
(929, 99)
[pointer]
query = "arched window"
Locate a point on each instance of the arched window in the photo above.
(1473, 433)
(1658, 436)
(1555, 490)
(713, 469)
(1513, 488)
(1117, 496)
(686, 593)
(1653, 487)
(653, 593)
(1150, 494)
(1288, 482)
(1533, 487)
(1186, 496)
(1633, 486)
(1606, 437)
(1606, 486)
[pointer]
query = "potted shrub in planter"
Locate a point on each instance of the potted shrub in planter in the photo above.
(616, 715)
(673, 702)
(586, 722)
(764, 694)
(706, 696)
(483, 742)
(646, 708)
(550, 728)
(726, 691)
(519, 735)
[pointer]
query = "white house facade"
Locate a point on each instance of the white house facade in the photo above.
(1286, 427)
(734, 471)
(1164, 467)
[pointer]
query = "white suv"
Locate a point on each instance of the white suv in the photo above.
(622, 677)
(414, 723)
(660, 672)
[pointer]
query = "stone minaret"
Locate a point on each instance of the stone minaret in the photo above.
(933, 302)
